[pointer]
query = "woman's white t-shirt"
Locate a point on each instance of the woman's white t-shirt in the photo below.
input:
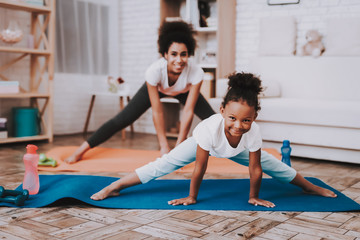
(210, 136)
(156, 75)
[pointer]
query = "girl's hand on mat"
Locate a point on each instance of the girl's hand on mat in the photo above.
(261, 202)
(182, 201)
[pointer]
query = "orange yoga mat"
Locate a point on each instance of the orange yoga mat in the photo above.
(101, 159)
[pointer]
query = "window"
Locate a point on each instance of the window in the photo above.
(82, 37)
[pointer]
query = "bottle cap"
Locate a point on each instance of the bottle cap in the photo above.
(31, 148)
(286, 143)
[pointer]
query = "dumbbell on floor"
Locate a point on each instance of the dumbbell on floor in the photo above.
(17, 200)
(5, 192)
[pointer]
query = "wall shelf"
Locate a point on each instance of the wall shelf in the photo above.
(23, 139)
(25, 50)
(24, 95)
(15, 5)
(42, 28)
(206, 29)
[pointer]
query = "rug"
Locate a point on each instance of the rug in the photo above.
(101, 159)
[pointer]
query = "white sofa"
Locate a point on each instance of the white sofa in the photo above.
(313, 102)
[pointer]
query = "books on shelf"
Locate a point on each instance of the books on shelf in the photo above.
(3, 128)
(35, 2)
(9, 87)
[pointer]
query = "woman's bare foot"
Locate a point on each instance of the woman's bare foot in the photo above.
(316, 190)
(77, 155)
(105, 193)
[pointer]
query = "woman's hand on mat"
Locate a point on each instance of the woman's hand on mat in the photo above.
(71, 159)
(261, 202)
(182, 201)
(164, 150)
(77, 155)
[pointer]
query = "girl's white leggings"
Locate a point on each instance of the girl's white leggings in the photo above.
(185, 153)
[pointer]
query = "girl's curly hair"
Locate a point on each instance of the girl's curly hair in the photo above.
(244, 87)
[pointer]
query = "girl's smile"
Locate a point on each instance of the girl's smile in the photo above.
(238, 117)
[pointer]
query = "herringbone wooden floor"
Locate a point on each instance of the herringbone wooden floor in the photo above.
(83, 222)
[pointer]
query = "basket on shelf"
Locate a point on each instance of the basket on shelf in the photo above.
(12, 34)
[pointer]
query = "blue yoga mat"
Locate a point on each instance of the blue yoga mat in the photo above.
(220, 194)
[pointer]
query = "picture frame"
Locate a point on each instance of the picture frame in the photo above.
(282, 2)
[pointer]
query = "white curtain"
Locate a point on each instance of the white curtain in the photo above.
(82, 37)
(87, 51)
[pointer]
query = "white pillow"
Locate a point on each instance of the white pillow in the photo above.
(221, 87)
(277, 36)
(343, 37)
(271, 89)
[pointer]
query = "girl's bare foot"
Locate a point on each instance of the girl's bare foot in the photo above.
(316, 190)
(310, 188)
(114, 188)
(104, 193)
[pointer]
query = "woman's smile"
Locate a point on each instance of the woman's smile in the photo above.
(178, 68)
(177, 58)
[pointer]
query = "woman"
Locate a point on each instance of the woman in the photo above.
(175, 75)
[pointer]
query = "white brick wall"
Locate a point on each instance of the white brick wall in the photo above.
(309, 14)
(138, 25)
(138, 22)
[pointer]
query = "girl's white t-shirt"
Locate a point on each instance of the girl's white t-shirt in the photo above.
(210, 136)
(156, 75)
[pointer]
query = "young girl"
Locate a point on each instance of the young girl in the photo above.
(231, 134)
(175, 75)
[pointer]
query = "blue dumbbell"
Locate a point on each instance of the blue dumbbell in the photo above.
(4, 192)
(17, 200)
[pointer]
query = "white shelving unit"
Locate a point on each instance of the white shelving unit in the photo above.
(220, 35)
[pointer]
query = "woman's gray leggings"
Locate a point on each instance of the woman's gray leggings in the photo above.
(135, 108)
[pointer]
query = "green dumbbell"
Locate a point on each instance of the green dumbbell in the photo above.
(45, 161)
(5, 192)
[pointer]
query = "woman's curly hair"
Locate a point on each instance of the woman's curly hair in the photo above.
(179, 32)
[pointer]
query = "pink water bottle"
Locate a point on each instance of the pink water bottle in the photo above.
(31, 177)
